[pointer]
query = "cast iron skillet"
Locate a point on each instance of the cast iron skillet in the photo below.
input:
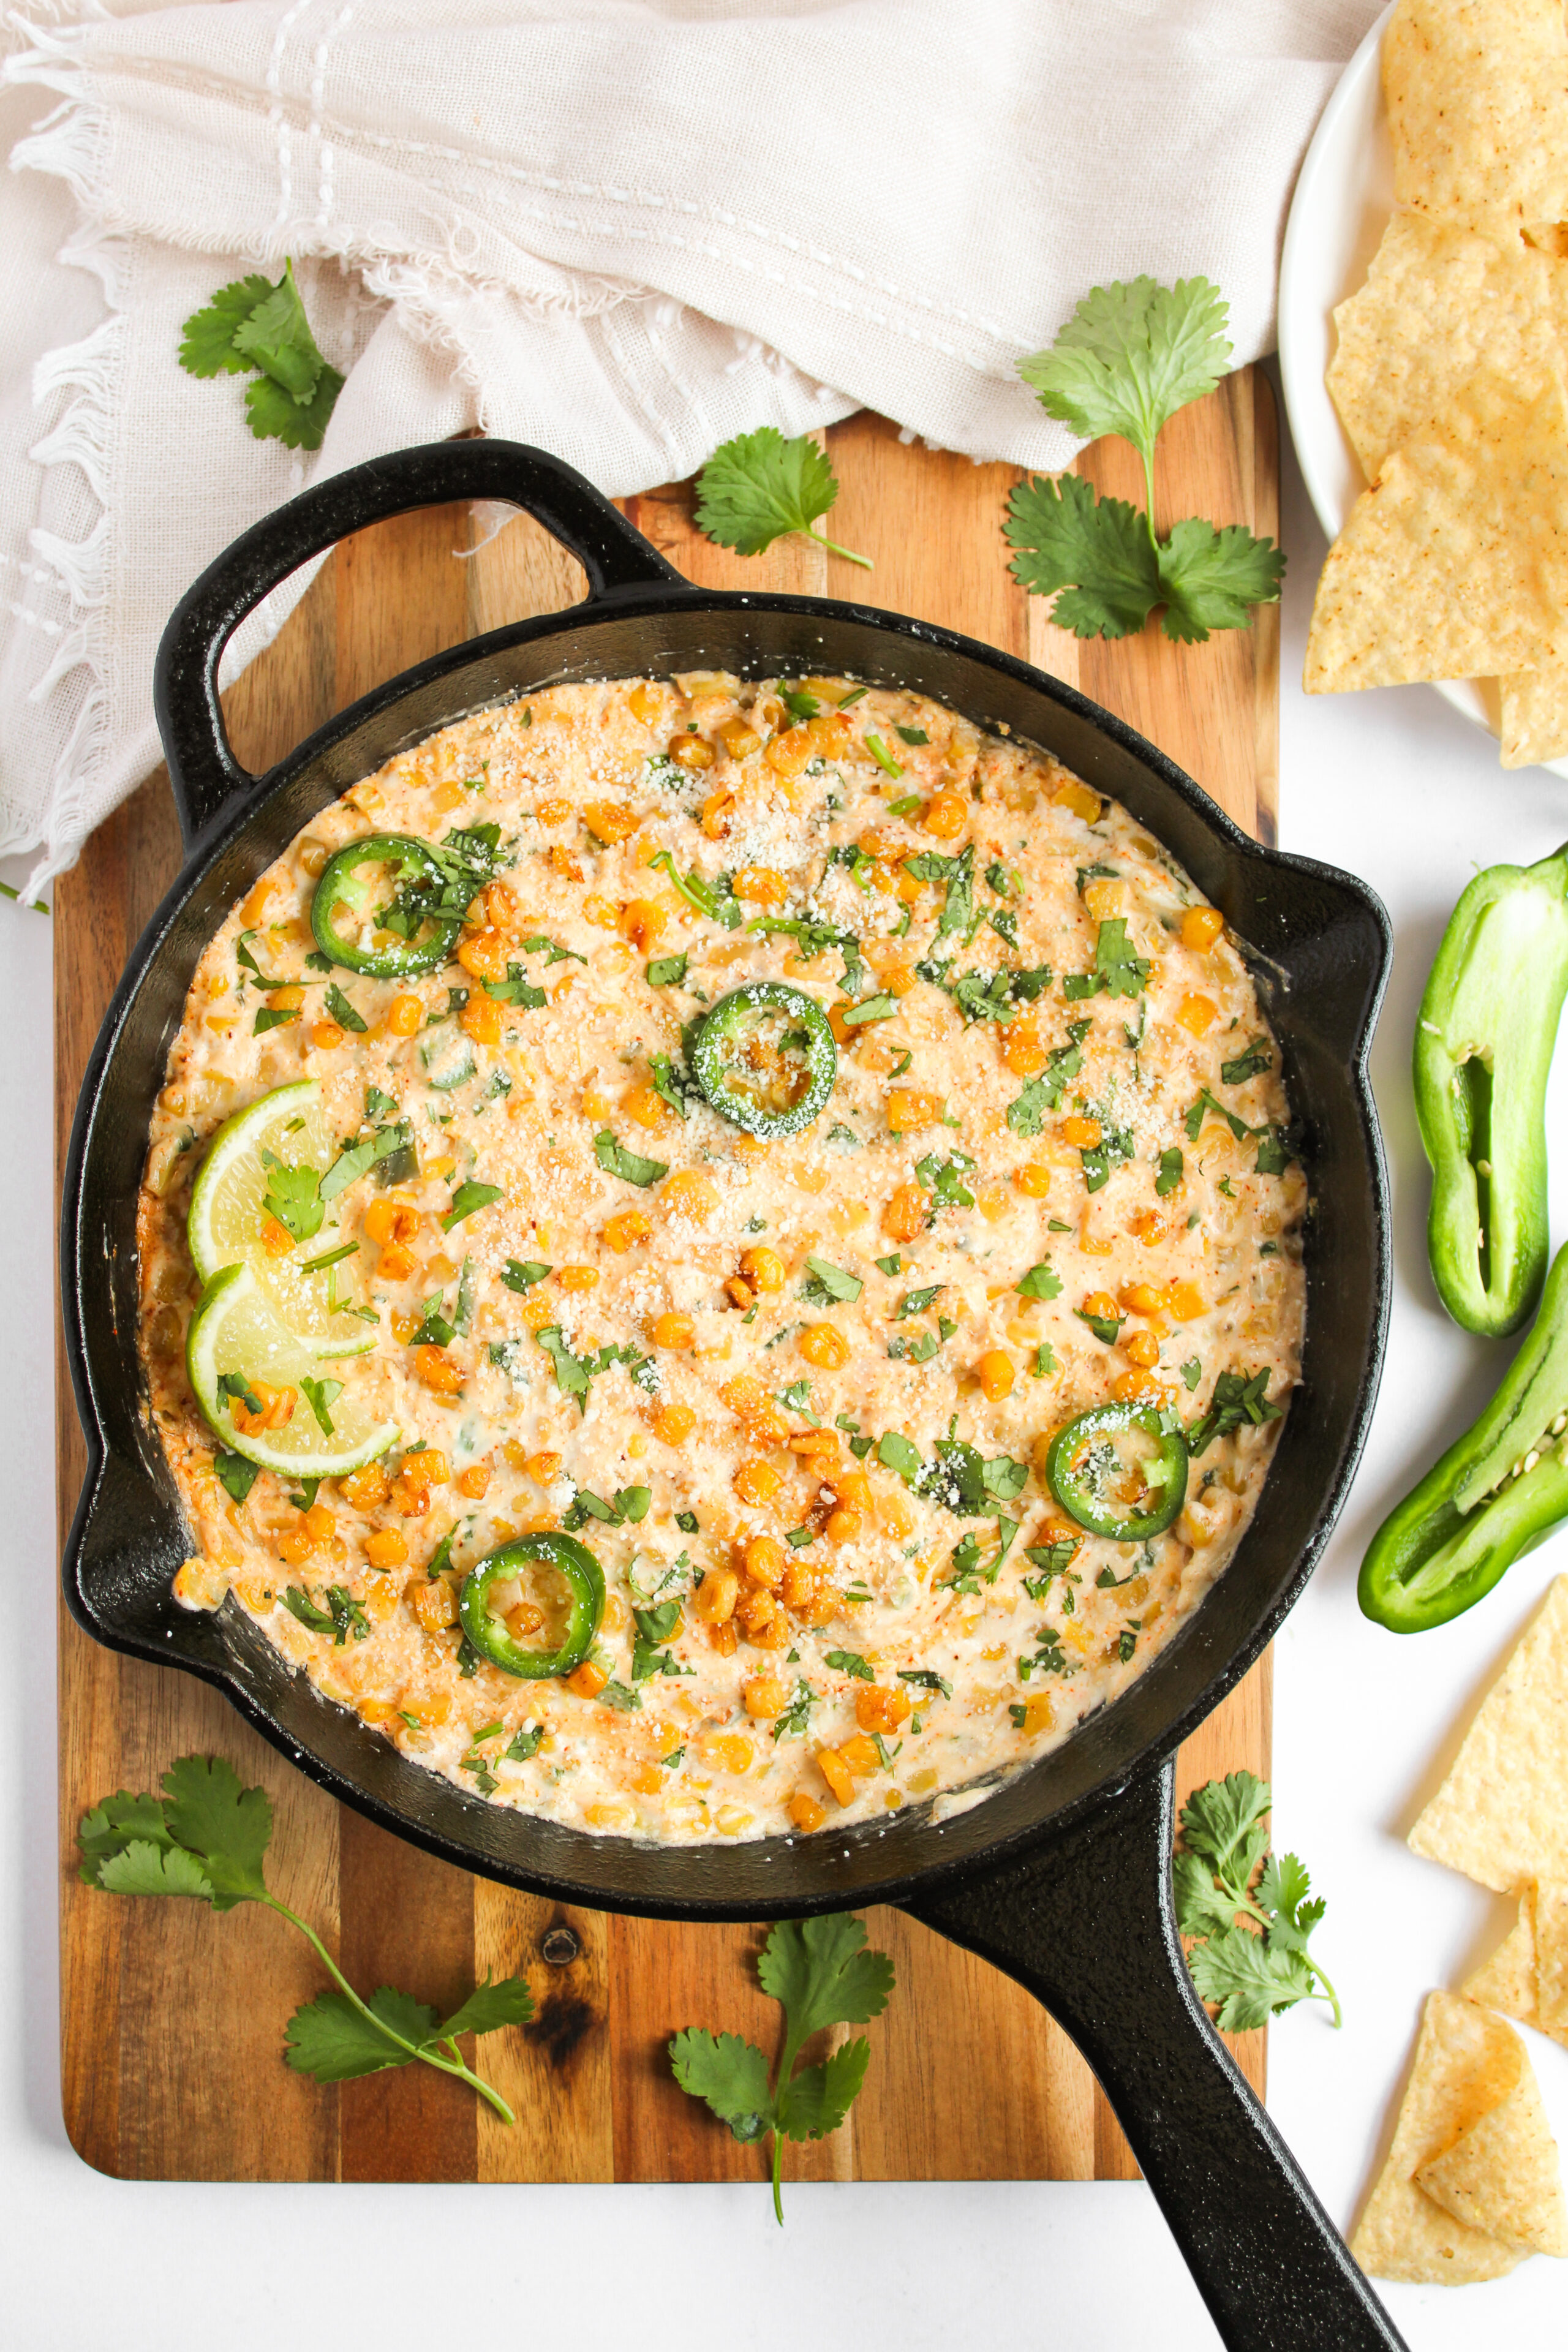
(1062, 1876)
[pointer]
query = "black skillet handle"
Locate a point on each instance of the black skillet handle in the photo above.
(1088, 1927)
(203, 769)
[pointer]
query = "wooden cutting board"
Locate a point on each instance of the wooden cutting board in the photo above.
(172, 2017)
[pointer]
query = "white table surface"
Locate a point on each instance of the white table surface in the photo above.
(1396, 785)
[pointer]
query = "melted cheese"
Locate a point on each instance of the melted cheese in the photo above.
(954, 1155)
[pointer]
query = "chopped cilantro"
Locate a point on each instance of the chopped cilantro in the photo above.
(615, 1160)
(828, 1283)
(467, 1199)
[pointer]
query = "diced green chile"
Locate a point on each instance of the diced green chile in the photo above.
(1166, 1477)
(583, 1577)
(716, 1062)
(339, 887)
(446, 1056)
(1477, 1509)
(1483, 1049)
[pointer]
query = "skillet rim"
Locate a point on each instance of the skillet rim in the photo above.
(228, 828)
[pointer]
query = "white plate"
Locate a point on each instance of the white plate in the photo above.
(1341, 205)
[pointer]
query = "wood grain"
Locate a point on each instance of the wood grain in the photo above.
(970, 2078)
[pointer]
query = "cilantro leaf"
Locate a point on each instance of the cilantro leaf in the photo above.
(615, 1160)
(795, 1721)
(386, 1149)
(830, 1282)
(1256, 1056)
(1205, 1102)
(1223, 1821)
(521, 1274)
(729, 2074)
(572, 1374)
(1127, 360)
(119, 1822)
(943, 1179)
(1274, 1154)
(490, 2006)
(1202, 1908)
(1283, 1890)
(849, 1661)
(759, 487)
(207, 345)
(1040, 1282)
(235, 1472)
(714, 900)
(206, 1838)
(274, 415)
(227, 1827)
(816, 2100)
(141, 1867)
(822, 1974)
(1120, 971)
(1251, 1976)
(1129, 356)
(332, 2040)
(1238, 1399)
(275, 336)
(821, 1971)
(467, 1200)
(1026, 1114)
(895, 1452)
(1096, 552)
(293, 1196)
(319, 1395)
(1209, 578)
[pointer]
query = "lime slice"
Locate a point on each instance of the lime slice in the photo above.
(224, 1226)
(235, 1330)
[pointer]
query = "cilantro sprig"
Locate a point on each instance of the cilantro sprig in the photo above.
(1254, 1971)
(759, 487)
(822, 1974)
(255, 325)
(1127, 360)
(205, 1837)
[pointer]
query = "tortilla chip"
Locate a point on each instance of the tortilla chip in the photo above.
(1507, 1981)
(1439, 302)
(1466, 2065)
(1523, 1979)
(1501, 1815)
(1535, 715)
(1551, 1960)
(1502, 2177)
(1478, 110)
(1454, 564)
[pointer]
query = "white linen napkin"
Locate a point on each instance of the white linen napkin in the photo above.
(625, 229)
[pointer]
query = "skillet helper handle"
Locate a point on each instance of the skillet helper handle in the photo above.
(206, 777)
(1087, 1926)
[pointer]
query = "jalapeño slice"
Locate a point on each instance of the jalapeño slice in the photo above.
(766, 1059)
(585, 1581)
(1084, 1465)
(341, 894)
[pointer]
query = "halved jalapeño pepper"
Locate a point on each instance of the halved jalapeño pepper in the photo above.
(341, 915)
(1494, 1495)
(1483, 1049)
(764, 1057)
(1090, 1473)
(585, 1582)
